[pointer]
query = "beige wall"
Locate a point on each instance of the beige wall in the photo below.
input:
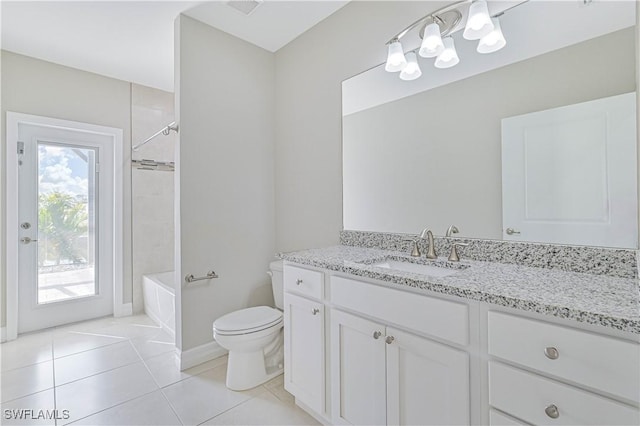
(225, 185)
(409, 164)
(32, 86)
(309, 72)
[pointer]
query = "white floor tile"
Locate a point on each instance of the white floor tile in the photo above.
(150, 409)
(26, 350)
(26, 380)
(264, 409)
(160, 343)
(74, 342)
(205, 396)
(84, 326)
(165, 371)
(94, 361)
(276, 387)
(96, 393)
(129, 330)
(35, 409)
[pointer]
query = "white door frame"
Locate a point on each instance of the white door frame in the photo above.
(12, 220)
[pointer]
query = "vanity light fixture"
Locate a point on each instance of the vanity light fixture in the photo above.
(478, 22)
(436, 28)
(395, 57)
(493, 41)
(449, 56)
(412, 70)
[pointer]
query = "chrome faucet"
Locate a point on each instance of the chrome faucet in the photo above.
(431, 250)
(453, 256)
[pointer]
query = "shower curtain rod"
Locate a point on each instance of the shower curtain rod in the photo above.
(165, 131)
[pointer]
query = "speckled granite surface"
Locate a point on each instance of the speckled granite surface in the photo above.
(593, 260)
(595, 299)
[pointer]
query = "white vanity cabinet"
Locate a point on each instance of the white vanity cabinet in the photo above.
(304, 336)
(382, 374)
(545, 373)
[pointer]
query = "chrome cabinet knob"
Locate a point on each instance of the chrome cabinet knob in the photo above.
(298, 281)
(389, 340)
(511, 231)
(315, 311)
(552, 411)
(377, 334)
(551, 353)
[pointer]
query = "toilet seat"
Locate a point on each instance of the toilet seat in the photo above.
(247, 321)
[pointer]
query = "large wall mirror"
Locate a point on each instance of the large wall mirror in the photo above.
(546, 125)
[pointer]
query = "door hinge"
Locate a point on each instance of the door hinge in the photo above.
(20, 148)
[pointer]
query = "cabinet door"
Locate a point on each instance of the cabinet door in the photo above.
(357, 370)
(304, 350)
(427, 382)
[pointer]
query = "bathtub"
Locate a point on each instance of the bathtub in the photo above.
(158, 292)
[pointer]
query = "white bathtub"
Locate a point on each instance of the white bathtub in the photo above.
(158, 291)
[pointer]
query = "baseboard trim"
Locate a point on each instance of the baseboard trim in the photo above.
(124, 310)
(199, 354)
(3, 334)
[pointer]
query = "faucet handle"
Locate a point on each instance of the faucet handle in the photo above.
(415, 251)
(451, 230)
(453, 256)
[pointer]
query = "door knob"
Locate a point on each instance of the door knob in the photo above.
(27, 240)
(511, 231)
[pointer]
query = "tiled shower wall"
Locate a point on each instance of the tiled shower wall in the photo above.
(152, 190)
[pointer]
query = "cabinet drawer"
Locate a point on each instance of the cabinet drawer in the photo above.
(424, 314)
(303, 281)
(528, 397)
(496, 418)
(600, 362)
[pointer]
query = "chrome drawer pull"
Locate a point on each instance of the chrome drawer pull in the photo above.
(551, 353)
(377, 334)
(552, 411)
(389, 340)
(314, 311)
(298, 281)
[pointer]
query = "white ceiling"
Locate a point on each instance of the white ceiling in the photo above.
(133, 40)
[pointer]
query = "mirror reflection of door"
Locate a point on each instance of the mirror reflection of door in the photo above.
(569, 174)
(65, 212)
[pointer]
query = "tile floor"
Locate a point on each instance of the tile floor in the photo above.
(122, 372)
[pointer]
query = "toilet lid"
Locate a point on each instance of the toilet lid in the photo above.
(247, 320)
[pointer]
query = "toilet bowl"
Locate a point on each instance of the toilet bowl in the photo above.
(254, 339)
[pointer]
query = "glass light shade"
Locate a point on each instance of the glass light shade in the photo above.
(449, 56)
(432, 44)
(478, 22)
(395, 58)
(412, 70)
(493, 41)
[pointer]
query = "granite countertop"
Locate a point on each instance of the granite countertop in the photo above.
(594, 299)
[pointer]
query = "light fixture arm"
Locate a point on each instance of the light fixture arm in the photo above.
(433, 16)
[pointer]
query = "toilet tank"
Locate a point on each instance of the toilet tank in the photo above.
(277, 283)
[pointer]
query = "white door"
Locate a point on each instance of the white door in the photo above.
(66, 222)
(304, 350)
(358, 393)
(569, 174)
(427, 382)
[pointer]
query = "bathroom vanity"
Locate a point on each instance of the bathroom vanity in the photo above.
(490, 343)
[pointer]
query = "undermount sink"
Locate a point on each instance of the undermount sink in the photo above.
(417, 268)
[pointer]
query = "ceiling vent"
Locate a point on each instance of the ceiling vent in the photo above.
(246, 7)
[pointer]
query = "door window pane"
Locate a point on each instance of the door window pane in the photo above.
(66, 222)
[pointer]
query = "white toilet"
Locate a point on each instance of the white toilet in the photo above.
(254, 339)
